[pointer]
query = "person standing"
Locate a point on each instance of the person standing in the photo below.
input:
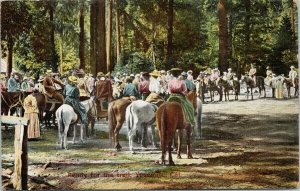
(31, 112)
(154, 86)
(279, 87)
(103, 92)
(3, 87)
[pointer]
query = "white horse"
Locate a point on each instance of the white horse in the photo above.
(139, 116)
(66, 116)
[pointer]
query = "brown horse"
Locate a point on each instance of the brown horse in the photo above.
(213, 86)
(227, 86)
(288, 82)
(116, 117)
(169, 118)
(11, 100)
(260, 83)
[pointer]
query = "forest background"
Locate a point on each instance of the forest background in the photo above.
(138, 35)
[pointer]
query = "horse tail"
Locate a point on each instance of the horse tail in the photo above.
(62, 122)
(129, 117)
(111, 119)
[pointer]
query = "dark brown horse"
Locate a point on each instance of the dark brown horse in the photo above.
(227, 86)
(288, 82)
(116, 117)
(169, 118)
(11, 100)
(260, 84)
(213, 86)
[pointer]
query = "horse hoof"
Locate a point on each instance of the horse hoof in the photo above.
(179, 156)
(190, 157)
(118, 149)
(133, 153)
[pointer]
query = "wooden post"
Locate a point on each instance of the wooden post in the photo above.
(21, 158)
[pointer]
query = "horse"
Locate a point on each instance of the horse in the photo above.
(227, 86)
(260, 83)
(201, 89)
(116, 117)
(66, 116)
(12, 100)
(169, 118)
(139, 116)
(288, 82)
(271, 83)
(213, 86)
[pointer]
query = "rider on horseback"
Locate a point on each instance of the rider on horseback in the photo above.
(293, 74)
(71, 93)
(49, 86)
(252, 73)
(178, 90)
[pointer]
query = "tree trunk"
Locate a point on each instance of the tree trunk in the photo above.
(54, 57)
(10, 46)
(118, 35)
(92, 38)
(223, 35)
(169, 56)
(108, 35)
(247, 5)
(101, 66)
(81, 36)
(292, 21)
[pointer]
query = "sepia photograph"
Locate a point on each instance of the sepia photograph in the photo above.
(149, 94)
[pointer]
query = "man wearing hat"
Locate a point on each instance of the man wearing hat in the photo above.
(71, 93)
(103, 91)
(178, 91)
(154, 86)
(82, 86)
(252, 73)
(143, 86)
(293, 74)
(39, 86)
(13, 84)
(49, 86)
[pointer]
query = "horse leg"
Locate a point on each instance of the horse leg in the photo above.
(251, 93)
(259, 91)
(171, 162)
(81, 132)
(144, 134)
(155, 145)
(188, 139)
(116, 134)
(65, 142)
(74, 131)
(179, 143)
(130, 138)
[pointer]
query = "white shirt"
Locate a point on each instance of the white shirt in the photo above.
(154, 85)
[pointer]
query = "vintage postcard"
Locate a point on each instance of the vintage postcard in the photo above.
(149, 94)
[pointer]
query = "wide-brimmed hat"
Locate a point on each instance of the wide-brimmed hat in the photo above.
(72, 79)
(162, 72)
(107, 74)
(155, 73)
(175, 69)
(229, 69)
(292, 67)
(190, 72)
(100, 74)
(25, 78)
(268, 67)
(32, 77)
(2, 76)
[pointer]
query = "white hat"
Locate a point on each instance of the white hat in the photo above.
(229, 69)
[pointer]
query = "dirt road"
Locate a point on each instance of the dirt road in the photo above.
(244, 145)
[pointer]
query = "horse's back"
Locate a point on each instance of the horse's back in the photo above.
(142, 110)
(170, 113)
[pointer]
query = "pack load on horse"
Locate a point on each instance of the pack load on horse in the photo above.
(176, 113)
(103, 94)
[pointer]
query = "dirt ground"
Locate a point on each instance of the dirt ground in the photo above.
(244, 145)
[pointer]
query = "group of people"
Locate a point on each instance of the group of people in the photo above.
(171, 84)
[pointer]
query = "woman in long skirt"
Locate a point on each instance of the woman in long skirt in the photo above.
(31, 112)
